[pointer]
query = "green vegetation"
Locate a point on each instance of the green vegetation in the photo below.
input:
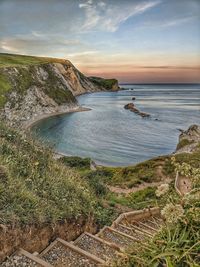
(178, 242)
(137, 200)
(4, 88)
(106, 83)
(55, 89)
(11, 60)
(76, 162)
(147, 171)
(34, 188)
(27, 76)
(183, 143)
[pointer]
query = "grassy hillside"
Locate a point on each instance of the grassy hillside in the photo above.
(34, 188)
(11, 60)
(108, 84)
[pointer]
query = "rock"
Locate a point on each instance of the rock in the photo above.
(47, 88)
(133, 98)
(189, 140)
(129, 106)
(132, 108)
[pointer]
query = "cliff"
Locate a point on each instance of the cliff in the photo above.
(33, 86)
(189, 140)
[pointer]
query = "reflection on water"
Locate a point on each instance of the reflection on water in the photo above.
(112, 135)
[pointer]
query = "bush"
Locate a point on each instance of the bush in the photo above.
(76, 162)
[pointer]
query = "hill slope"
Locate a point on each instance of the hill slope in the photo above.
(31, 86)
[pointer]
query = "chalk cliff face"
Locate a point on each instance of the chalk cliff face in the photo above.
(33, 90)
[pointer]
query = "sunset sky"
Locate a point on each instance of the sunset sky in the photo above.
(140, 41)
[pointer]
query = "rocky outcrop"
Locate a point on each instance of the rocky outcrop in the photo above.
(108, 84)
(29, 91)
(131, 107)
(189, 140)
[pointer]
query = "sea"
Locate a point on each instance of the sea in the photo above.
(113, 136)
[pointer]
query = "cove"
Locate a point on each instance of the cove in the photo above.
(114, 136)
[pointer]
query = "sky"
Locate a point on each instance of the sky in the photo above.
(135, 41)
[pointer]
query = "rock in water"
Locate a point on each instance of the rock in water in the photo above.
(132, 108)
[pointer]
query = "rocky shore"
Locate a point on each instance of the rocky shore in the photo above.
(189, 140)
(132, 108)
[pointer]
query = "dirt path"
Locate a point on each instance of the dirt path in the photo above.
(159, 172)
(119, 190)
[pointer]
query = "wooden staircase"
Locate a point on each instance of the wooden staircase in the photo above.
(93, 250)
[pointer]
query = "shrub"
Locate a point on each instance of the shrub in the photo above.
(76, 162)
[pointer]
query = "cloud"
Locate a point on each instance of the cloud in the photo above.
(37, 43)
(83, 53)
(108, 17)
(169, 23)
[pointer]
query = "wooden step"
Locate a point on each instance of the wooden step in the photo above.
(157, 224)
(97, 246)
(147, 227)
(139, 229)
(25, 259)
(132, 231)
(63, 254)
(158, 220)
(116, 237)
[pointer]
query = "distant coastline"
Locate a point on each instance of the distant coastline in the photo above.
(132, 83)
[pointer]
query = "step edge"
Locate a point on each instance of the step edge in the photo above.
(98, 239)
(49, 247)
(139, 230)
(123, 234)
(81, 251)
(148, 226)
(34, 258)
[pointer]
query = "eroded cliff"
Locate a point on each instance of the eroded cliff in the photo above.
(189, 140)
(45, 86)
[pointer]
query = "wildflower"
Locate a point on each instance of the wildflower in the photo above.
(192, 197)
(172, 213)
(194, 214)
(162, 189)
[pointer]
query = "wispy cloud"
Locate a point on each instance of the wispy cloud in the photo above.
(171, 22)
(108, 17)
(36, 41)
(84, 53)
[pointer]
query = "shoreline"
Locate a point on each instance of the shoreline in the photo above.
(30, 123)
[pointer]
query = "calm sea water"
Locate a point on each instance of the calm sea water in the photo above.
(111, 135)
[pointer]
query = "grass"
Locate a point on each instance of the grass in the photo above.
(11, 60)
(138, 200)
(55, 89)
(131, 176)
(76, 162)
(178, 241)
(27, 76)
(149, 171)
(106, 83)
(34, 188)
(5, 86)
(183, 143)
